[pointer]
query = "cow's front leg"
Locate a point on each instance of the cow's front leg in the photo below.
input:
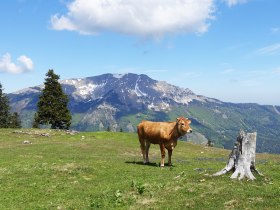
(143, 149)
(169, 157)
(148, 144)
(162, 150)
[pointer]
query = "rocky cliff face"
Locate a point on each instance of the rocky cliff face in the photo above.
(130, 90)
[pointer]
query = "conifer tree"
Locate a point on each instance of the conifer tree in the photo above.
(4, 109)
(15, 121)
(52, 104)
(35, 123)
(7, 119)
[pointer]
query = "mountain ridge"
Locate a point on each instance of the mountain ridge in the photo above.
(121, 101)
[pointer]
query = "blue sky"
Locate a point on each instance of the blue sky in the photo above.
(225, 49)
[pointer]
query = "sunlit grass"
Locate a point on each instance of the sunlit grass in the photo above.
(104, 170)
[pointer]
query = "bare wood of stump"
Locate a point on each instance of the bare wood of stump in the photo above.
(242, 157)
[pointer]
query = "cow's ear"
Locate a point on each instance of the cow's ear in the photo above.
(189, 121)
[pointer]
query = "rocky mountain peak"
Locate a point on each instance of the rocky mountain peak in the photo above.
(129, 88)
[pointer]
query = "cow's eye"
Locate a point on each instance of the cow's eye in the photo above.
(183, 124)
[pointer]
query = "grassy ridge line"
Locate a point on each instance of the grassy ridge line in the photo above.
(104, 171)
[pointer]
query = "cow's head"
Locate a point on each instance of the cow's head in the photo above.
(183, 125)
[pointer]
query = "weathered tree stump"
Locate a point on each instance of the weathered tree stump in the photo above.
(242, 157)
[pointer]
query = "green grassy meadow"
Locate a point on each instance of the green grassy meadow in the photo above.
(104, 170)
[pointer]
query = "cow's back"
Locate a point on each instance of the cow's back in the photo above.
(155, 132)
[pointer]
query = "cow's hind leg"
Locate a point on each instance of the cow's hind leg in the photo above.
(162, 150)
(169, 157)
(148, 144)
(143, 148)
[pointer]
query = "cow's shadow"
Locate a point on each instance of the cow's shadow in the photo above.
(141, 163)
(147, 164)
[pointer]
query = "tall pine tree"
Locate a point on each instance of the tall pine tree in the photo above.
(15, 121)
(52, 104)
(4, 109)
(7, 119)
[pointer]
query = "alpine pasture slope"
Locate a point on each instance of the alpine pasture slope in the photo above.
(104, 170)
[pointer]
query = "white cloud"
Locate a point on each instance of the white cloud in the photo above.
(269, 50)
(145, 18)
(24, 64)
(231, 3)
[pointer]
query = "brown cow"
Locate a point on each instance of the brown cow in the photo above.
(163, 133)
